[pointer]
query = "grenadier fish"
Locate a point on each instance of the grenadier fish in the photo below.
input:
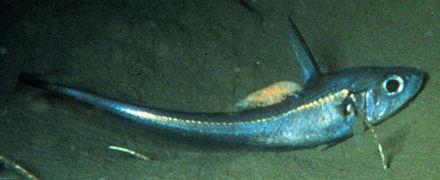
(323, 111)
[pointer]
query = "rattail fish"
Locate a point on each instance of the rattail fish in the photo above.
(321, 111)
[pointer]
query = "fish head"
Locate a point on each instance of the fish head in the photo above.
(391, 89)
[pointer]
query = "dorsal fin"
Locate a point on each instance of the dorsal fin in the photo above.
(304, 55)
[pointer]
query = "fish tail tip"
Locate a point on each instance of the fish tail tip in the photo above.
(30, 79)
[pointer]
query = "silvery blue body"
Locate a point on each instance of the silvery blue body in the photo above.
(323, 112)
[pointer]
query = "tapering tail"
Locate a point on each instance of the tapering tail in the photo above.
(32, 79)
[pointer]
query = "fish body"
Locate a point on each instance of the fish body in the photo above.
(323, 111)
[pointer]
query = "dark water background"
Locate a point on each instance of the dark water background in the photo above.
(204, 56)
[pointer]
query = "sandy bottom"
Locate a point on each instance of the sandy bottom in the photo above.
(200, 56)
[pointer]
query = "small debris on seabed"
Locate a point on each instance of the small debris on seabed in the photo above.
(9, 164)
(129, 151)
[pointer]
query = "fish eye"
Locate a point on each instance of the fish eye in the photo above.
(393, 84)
